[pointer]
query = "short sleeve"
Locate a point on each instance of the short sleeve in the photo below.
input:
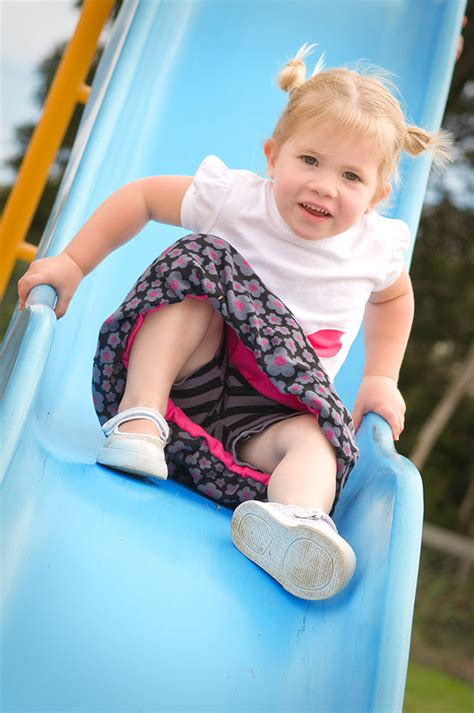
(397, 238)
(205, 196)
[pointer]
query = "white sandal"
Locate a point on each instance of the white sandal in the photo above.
(135, 453)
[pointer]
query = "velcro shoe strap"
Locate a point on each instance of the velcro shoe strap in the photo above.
(319, 515)
(131, 414)
(303, 514)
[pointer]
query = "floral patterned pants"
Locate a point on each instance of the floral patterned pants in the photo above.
(266, 348)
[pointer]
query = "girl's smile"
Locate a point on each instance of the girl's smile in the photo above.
(324, 179)
(318, 212)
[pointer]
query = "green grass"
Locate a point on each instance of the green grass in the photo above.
(430, 691)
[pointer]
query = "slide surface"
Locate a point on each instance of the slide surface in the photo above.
(119, 595)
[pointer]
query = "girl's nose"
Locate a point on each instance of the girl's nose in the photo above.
(324, 185)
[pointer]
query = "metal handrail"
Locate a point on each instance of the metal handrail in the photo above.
(67, 90)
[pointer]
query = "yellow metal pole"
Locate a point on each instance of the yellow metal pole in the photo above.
(83, 94)
(26, 252)
(66, 90)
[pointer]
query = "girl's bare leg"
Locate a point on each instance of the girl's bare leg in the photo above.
(300, 459)
(172, 342)
(298, 546)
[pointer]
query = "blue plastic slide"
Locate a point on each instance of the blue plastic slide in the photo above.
(120, 595)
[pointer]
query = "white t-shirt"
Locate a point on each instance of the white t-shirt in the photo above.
(325, 283)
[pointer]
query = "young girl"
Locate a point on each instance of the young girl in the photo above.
(225, 350)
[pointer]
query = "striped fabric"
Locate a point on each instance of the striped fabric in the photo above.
(217, 398)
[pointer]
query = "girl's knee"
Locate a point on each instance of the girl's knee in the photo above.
(286, 435)
(296, 436)
(303, 432)
(301, 427)
(217, 323)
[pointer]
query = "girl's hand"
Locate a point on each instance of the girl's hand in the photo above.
(60, 271)
(381, 395)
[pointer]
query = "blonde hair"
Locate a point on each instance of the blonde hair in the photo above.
(361, 102)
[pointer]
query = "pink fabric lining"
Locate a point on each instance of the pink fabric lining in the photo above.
(244, 360)
(133, 334)
(177, 416)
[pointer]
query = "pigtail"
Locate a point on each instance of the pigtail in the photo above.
(293, 73)
(439, 143)
(364, 100)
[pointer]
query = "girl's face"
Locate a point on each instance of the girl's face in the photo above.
(324, 179)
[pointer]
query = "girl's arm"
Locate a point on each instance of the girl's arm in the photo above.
(115, 222)
(387, 324)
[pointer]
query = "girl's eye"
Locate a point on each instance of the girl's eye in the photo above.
(310, 160)
(353, 177)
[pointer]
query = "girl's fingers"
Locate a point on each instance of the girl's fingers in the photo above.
(26, 284)
(357, 418)
(400, 411)
(392, 417)
(389, 404)
(61, 306)
(399, 425)
(402, 423)
(33, 279)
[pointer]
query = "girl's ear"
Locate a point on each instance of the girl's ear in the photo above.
(379, 196)
(269, 149)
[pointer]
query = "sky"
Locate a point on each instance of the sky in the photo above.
(29, 31)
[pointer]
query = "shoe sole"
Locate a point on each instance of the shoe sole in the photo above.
(134, 463)
(306, 562)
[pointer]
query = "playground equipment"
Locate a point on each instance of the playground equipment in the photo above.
(123, 596)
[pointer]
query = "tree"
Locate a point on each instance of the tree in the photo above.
(438, 358)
